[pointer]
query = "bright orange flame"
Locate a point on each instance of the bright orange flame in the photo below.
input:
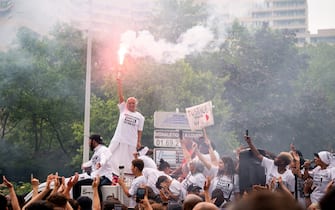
(121, 53)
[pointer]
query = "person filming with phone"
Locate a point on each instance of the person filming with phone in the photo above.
(275, 169)
(139, 181)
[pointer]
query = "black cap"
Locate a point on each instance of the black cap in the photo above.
(96, 138)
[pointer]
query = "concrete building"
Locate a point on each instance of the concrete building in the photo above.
(288, 15)
(323, 35)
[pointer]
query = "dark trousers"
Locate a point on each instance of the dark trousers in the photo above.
(76, 190)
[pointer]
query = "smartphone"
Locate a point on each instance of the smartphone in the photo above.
(140, 194)
(247, 132)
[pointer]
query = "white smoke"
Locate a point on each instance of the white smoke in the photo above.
(144, 44)
(194, 40)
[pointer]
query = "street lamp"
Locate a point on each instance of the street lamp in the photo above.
(88, 88)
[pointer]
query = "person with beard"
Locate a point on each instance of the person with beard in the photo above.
(98, 165)
(274, 169)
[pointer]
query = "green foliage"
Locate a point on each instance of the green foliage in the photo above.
(174, 17)
(21, 188)
(316, 99)
(257, 80)
(42, 94)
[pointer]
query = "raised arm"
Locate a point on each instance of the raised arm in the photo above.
(34, 183)
(187, 154)
(13, 198)
(72, 181)
(201, 157)
(96, 199)
(120, 90)
(253, 148)
(296, 162)
(213, 157)
(42, 194)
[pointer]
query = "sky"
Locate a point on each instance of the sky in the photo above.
(321, 14)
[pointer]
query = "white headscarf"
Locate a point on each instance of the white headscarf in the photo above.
(327, 157)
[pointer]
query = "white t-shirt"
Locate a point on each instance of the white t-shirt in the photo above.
(197, 179)
(151, 176)
(136, 183)
(100, 156)
(176, 188)
(128, 126)
(271, 171)
(227, 184)
(148, 161)
(321, 178)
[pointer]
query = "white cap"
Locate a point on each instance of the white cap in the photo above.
(325, 157)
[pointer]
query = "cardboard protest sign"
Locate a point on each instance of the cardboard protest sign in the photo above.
(200, 116)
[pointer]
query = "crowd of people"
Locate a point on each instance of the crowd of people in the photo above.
(203, 181)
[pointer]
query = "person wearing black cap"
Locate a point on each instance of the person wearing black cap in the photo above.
(98, 165)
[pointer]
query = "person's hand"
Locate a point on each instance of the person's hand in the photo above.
(307, 165)
(34, 182)
(164, 194)
(207, 183)
(139, 145)
(96, 182)
(294, 153)
(207, 141)
(50, 178)
(144, 203)
(308, 183)
(121, 181)
(73, 180)
(247, 139)
(62, 184)
(272, 185)
(7, 183)
(295, 171)
(258, 188)
(280, 181)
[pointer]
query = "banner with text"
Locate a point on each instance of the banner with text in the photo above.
(200, 116)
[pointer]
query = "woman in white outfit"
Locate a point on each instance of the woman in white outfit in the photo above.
(128, 133)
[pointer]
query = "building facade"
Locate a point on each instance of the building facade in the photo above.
(288, 15)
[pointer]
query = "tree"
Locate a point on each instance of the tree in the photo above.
(315, 113)
(42, 93)
(174, 17)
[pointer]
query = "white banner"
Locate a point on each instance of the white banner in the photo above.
(200, 116)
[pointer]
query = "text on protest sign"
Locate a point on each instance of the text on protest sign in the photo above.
(200, 116)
